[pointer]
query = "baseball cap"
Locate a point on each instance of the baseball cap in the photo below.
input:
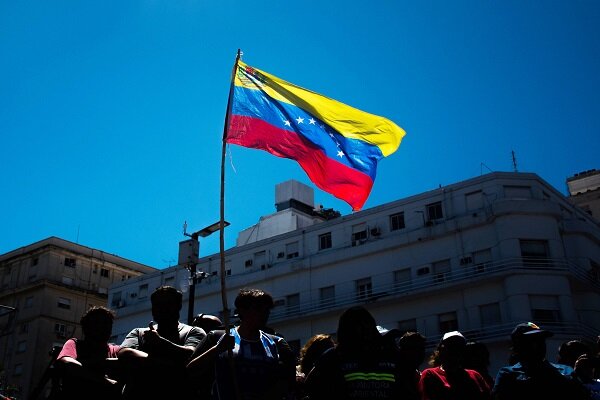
(453, 335)
(529, 329)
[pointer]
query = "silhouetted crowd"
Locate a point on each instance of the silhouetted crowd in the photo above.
(168, 359)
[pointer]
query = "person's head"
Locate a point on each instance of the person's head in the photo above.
(450, 350)
(477, 356)
(97, 324)
(529, 343)
(253, 307)
(569, 352)
(412, 348)
(207, 322)
(312, 350)
(166, 304)
(357, 330)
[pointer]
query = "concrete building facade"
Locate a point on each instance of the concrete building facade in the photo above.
(479, 256)
(49, 285)
(584, 190)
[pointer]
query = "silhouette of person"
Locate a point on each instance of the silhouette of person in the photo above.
(157, 355)
(412, 354)
(361, 366)
(447, 379)
(477, 357)
(84, 364)
(309, 354)
(263, 363)
(533, 376)
(207, 322)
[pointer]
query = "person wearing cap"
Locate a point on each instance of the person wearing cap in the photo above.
(447, 379)
(534, 377)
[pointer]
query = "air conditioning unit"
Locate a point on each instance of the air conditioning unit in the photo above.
(121, 303)
(133, 295)
(375, 231)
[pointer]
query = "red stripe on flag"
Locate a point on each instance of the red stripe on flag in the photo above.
(328, 174)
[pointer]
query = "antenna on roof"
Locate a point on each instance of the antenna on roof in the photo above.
(514, 161)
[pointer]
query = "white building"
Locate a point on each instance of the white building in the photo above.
(479, 256)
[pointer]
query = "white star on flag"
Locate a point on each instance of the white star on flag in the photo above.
(340, 154)
(300, 120)
(287, 123)
(312, 121)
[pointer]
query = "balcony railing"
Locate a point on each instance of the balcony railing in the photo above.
(434, 281)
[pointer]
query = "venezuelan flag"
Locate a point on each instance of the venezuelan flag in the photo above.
(338, 146)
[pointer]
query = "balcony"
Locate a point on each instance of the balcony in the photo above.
(428, 283)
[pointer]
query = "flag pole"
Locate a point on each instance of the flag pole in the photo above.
(222, 203)
(236, 387)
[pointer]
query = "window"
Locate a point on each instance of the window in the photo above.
(34, 261)
(228, 272)
(292, 303)
(291, 250)
(260, 259)
(70, 262)
(545, 315)
(474, 200)
(434, 211)
(448, 322)
(116, 299)
(534, 252)
(397, 221)
(544, 308)
(482, 259)
(95, 270)
(18, 370)
(359, 234)
(441, 270)
(67, 280)
(60, 329)
(143, 291)
(364, 288)
(29, 302)
(517, 192)
(490, 314)
(407, 325)
(327, 296)
(325, 241)
(22, 346)
(423, 271)
(402, 277)
(64, 303)
(104, 272)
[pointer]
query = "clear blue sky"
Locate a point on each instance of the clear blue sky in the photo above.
(111, 112)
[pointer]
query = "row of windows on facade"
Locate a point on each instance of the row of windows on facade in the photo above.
(360, 234)
(530, 251)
